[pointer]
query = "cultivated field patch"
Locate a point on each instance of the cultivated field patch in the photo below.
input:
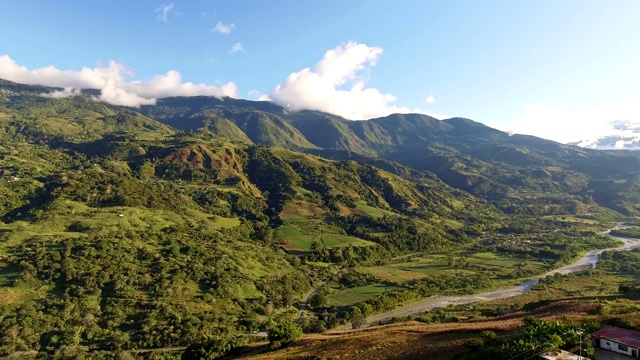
(492, 265)
(295, 238)
(358, 294)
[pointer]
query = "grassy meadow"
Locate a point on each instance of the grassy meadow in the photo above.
(496, 266)
(301, 235)
(358, 294)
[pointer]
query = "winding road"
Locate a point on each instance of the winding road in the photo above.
(587, 261)
(308, 295)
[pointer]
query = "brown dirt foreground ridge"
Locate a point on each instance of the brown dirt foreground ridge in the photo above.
(409, 340)
(415, 340)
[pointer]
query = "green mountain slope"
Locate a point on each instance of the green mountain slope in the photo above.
(177, 223)
(24, 112)
(118, 231)
(219, 116)
(465, 154)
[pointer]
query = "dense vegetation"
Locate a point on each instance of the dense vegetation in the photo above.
(120, 232)
(629, 232)
(537, 336)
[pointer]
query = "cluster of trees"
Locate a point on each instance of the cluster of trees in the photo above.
(626, 262)
(280, 334)
(111, 292)
(633, 232)
(94, 185)
(274, 178)
(135, 286)
(555, 241)
(400, 234)
(537, 336)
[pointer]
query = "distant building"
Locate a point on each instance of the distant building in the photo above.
(617, 339)
(558, 354)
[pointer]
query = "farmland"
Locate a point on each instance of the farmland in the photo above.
(496, 266)
(302, 238)
(358, 294)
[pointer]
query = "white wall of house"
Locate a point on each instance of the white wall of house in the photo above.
(614, 346)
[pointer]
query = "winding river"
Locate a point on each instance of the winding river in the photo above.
(587, 261)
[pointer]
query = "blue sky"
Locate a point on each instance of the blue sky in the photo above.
(565, 70)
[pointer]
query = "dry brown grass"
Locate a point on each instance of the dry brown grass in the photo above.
(287, 245)
(409, 340)
(345, 211)
(13, 296)
(305, 210)
(415, 340)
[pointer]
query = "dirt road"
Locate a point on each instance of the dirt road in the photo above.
(308, 295)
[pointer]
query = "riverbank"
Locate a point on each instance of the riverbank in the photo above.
(587, 261)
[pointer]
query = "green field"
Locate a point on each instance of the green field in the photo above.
(73, 219)
(319, 264)
(493, 265)
(373, 211)
(358, 294)
(453, 224)
(302, 241)
(485, 255)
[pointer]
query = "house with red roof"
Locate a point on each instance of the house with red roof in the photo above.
(617, 339)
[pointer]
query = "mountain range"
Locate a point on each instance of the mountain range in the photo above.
(202, 217)
(461, 152)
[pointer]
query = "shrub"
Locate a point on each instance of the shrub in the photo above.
(284, 333)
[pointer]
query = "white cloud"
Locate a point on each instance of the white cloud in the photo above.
(430, 99)
(588, 127)
(163, 12)
(253, 94)
(60, 94)
(223, 29)
(237, 47)
(337, 85)
(112, 82)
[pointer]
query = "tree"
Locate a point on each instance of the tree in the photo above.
(488, 337)
(318, 301)
(284, 333)
(210, 350)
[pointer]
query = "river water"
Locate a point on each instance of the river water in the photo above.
(588, 261)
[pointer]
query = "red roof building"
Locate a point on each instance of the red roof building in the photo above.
(618, 339)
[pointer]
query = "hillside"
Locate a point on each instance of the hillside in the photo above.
(464, 154)
(201, 218)
(143, 236)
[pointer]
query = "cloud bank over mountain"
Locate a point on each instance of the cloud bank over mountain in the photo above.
(613, 127)
(337, 84)
(112, 82)
(625, 135)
